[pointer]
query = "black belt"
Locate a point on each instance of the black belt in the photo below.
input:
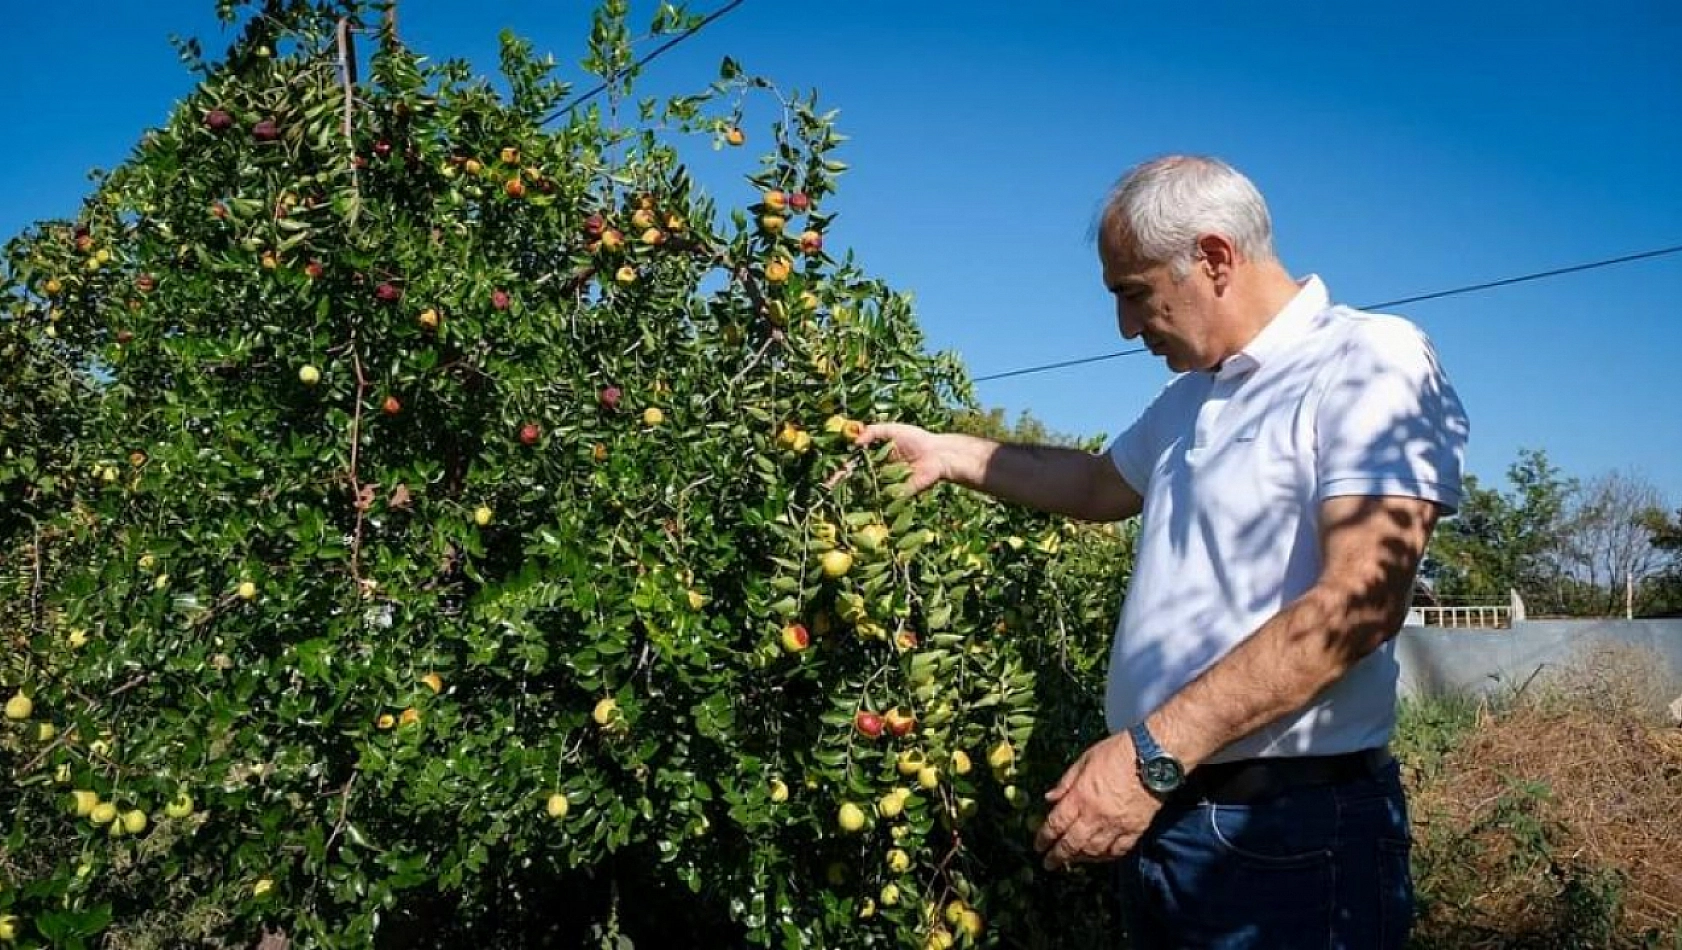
(1249, 780)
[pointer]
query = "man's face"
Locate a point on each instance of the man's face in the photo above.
(1176, 318)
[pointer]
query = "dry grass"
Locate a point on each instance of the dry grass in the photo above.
(1557, 822)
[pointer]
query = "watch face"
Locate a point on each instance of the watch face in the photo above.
(1162, 774)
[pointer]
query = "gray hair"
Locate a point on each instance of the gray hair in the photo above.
(1165, 204)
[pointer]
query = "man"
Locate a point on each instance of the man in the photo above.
(1289, 479)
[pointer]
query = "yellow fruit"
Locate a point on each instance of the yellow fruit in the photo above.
(8, 927)
(309, 375)
(264, 885)
(1001, 755)
(775, 199)
(892, 805)
(898, 861)
(433, 682)
(939, 939)
(473, 166)
(428, 319)
(960, 763)
(247, 590)
(735, 136)
(385, 721)
(146, 562)
(836, 563)
(482, 516)
(160, 582)
(103, 813)
(180, 806)
(44, 731)
(626, 275)
(19, 707)
(954, 911)
(653, 237)
(556, 806)
(971, 924)
(851, 818)
(410, 716)
(134, 821)
(54, 285)
(834, 424)
(606, 712)
(867, 909)
(653, 416)
(889, 895)
(871, 537)
(779, 791)
(510, 156)
(852, 429)
(910, 762)
(86, 801)
(929, 777)
(697, 600)
(778, 270)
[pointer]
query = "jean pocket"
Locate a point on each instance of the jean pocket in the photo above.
(1269, 836)
(1395, 902)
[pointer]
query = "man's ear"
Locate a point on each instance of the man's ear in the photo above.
(1216, 257)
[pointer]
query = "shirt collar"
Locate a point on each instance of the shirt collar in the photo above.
(1286, 327)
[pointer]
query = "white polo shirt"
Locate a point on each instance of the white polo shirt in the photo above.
(1233, 465)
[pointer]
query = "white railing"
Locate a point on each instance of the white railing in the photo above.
(1465, 616)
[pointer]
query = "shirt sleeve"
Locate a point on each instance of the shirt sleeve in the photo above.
(1135, 452)
(1389, 422)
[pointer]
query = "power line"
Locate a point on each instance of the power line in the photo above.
(700, 25)
(1437, 295)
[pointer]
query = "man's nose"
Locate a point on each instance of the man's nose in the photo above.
(1129, 325)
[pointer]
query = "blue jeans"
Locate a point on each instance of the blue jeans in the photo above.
(1323, 868)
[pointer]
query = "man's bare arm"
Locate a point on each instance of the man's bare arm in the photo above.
(1058, 480)
(1372, 547)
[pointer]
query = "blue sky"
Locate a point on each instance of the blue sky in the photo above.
(1404, 149)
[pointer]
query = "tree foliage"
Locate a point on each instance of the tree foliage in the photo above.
(456, 535)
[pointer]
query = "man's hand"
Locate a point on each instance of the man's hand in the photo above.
(1100, 810)
(918, 448)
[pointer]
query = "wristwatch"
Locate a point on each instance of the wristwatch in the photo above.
(1159, 772)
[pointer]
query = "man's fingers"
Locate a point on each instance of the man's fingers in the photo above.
(1056, 825)
(871, 433)
(1070, 775)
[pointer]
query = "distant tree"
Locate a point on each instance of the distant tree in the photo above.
(1608, 552)
(1499, 542)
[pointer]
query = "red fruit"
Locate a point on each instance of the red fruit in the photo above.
(799, 201)
(530, 433)
(811, 242)
(868, 724)
(265, 131)
(314, 270)
(500, 299)
(609, 397)
(391, 406)
(594, 224)
(145, 283)
(124, 336)
(515, 187)
(388, 293)
(218, 120)
(382, 148)
(219, 210)
(901, 722)
(84, 242)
